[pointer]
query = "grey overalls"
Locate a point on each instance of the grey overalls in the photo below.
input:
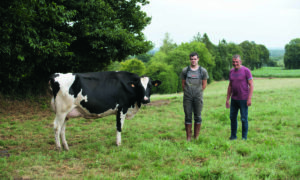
(193, 94)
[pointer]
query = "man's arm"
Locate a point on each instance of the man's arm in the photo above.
(251, 87)
(228, 95)
(204, 83)
(183, 84)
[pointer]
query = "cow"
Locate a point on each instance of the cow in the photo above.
(95, 95)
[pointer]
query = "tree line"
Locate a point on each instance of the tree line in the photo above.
(41, 37)
(167, 63)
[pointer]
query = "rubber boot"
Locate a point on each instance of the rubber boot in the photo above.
(188, 129)
(197, 128)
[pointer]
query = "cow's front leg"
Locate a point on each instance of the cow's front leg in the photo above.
(120, 122)
(58, 124)
(63, 135)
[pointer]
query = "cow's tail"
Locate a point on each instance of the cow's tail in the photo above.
(54, 87)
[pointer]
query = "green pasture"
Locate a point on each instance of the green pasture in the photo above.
(154, 143)
(276, 72)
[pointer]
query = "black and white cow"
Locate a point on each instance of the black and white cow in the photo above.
(95, 95)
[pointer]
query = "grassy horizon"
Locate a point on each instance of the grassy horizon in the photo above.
(154, 143)
(276, 72)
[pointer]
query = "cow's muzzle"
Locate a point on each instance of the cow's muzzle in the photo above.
(146, 100)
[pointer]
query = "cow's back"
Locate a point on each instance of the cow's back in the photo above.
(98, 92)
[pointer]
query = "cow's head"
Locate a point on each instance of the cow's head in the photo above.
(146, 86)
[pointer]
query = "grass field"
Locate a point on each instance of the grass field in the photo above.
(276, 72)
(153, 142)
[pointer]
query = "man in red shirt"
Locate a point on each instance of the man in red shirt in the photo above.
(240, 89)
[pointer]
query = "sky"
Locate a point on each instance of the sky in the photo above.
(272, 23)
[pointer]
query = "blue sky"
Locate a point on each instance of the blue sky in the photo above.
(272, 23)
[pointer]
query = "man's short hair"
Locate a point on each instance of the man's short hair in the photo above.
(194, 54)
(237, 56)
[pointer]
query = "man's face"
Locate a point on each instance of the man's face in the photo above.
(236, 63)
(194, 60)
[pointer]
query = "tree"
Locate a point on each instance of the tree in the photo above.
(250, 54)
(33, 33)
(209, 45)
(145, 57)
(165, 73)
(133, 65)
(292, 54)
(168, 44)
(263, 54)
(222, 64)
(178, 58)
(107, 30)
(42, 37)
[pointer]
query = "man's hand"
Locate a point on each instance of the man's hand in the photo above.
(227, 104)
(249, 102)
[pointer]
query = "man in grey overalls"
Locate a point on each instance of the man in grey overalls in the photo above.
(194, 81)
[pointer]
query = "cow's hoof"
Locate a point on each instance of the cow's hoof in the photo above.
(66, 147)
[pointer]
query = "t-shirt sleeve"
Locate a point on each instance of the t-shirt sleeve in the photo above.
(229, 75)
(205, 74)
(248, 75)
(182, 74)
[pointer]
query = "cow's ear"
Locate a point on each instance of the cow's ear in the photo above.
(156, 83)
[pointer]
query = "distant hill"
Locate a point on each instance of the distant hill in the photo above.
(276, 52)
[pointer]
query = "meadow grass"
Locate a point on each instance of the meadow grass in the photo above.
(276, 72)
(154, 143)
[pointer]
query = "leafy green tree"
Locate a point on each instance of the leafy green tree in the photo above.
(42, 37)
(107, 30)
(159, 56)
(205, 39)
(168, 44)
(250, 54)
(113, 66)
(145, 57)
(133, 65)
(33, 33)
(233, 49)
(178, 58)
(263, 54)
(197, 37)
(222, 67)
(292, 54)
(209, 45)
(165, 73)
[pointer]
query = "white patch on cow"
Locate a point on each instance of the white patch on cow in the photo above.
(53, 105)
(145, 81)
(122, 117)
(65, 82)
(80, 98)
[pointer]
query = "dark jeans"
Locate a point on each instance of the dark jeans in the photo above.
(235, 106)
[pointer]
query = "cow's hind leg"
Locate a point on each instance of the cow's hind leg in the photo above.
(63, 135)
(58, 124)
(120, 123)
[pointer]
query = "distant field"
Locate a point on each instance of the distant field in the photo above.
(277, 72)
